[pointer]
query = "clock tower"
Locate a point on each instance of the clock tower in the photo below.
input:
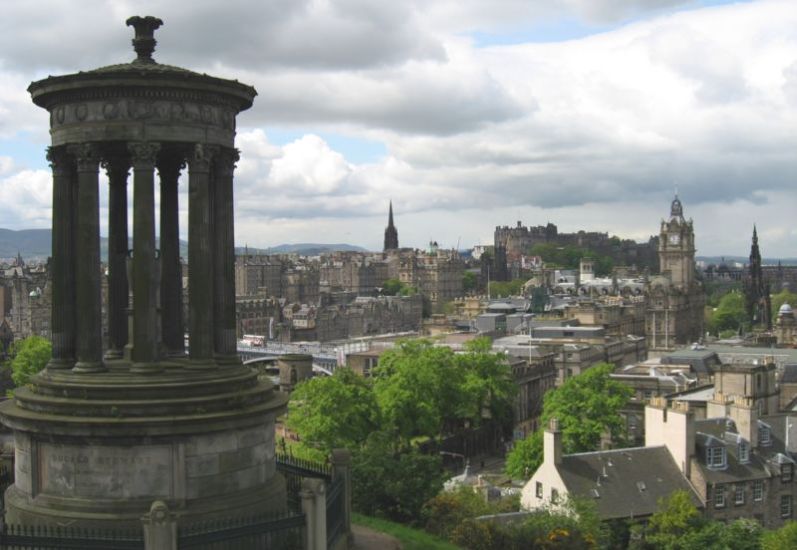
(677, 247)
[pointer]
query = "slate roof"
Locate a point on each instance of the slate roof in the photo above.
(624, 483)
(764, 460)
(702, 361)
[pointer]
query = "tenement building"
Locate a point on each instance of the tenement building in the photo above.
(436, 273)
(676, 299)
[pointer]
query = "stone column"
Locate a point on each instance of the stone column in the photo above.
(63, 259)
(224, 257)
(172, 327)
(117, 168)
(87, 261)
(314, 506)
(341, 467)
(200, 264)
(145, 279)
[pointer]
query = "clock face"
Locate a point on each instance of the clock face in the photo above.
(675, 238)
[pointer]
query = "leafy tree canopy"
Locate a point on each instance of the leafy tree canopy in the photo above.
(469, 281)
(587, 406)
(729, 314)
(505, 289)
(334, 411)
(569, 257)
(30, 356)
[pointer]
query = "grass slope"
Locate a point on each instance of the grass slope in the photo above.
(411, 539)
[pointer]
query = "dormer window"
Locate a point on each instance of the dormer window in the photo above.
(744, 452)
(715, 457)
(764, 435)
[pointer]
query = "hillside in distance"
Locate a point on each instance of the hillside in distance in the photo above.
(35, 245)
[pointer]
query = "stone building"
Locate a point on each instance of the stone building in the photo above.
(26, 292)
(355, 272)
(258, 316)
(676, 299)
(518, 240)
(436, 273)
(259, 275)
(735, 463)
(365, 316)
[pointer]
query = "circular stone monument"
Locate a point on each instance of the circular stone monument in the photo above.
(104, 431)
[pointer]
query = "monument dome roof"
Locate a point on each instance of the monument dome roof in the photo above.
(142, 72)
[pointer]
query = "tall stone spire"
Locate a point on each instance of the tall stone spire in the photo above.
(391, 235)
(756, 290)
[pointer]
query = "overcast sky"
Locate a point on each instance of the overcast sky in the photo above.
(466, 113)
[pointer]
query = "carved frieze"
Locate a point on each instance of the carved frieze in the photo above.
(139, 110)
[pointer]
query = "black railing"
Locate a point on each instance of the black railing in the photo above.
(336, 510)
(28, 537)
(285, 532)
(303, 467)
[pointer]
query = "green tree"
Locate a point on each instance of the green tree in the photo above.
(729, 313)
(525, 456)
(782, 297)
(587, 406)
(393, 485)
(29, 356)
(676, 516)
(469, 281)
(392, 287)
(443, 513)
(505, 289)
(334, 411)
(487, 386)
(417, 387)
(785, 537)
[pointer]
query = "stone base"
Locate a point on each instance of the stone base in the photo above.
(96, 450)
(22, 510)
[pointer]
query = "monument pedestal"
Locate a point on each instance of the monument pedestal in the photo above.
(97, 450)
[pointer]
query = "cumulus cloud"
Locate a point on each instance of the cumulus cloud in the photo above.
(587, 133)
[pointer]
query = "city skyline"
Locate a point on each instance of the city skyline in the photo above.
(586, 114)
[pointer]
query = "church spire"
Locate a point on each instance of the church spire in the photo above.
(391, 234)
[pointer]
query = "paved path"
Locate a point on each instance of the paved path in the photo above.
(368, 539)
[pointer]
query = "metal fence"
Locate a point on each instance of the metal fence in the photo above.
(284, 532)
(26, 537)
(336, 510)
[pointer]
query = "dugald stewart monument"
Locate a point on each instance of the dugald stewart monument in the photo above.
(106, 430)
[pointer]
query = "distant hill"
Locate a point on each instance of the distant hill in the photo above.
(31, 243)
(305, 249)
(35, 245)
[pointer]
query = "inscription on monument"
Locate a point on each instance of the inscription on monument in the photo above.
(107, 472)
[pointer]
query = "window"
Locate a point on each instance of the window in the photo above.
(715, 457)
(538, 489)
(719, 496)
(738, 494)
(764, 436)
(744, 452)
(554, 496)
(785, 506)
(758, 491)
(786, 472)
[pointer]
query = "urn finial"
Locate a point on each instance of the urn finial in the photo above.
(144, 41)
